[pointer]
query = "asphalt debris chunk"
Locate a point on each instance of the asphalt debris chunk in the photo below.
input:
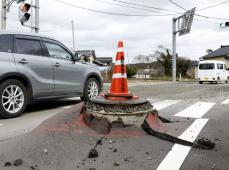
(7, 164)
(45, 151)
(99, 142)
(116, 164)
(93, 153)
(213, 166)
(217, 139)
(206, 142)
(18, 162)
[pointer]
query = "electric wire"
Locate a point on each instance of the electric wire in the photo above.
(145, 6)
(203, 16)
(112, 13)
(177, 5)
(144, 15)
(212, 6)
(127, 6)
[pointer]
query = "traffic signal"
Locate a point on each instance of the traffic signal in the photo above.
(23, 12)
(227, 24)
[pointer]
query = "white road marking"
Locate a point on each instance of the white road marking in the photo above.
(178, 153)
(225, 101)
(67, 107)
(1, 124)
(197, 110)
(165, 103)
(73, 98)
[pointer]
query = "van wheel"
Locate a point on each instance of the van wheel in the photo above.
(218, 81)
(200, 82)
(13, 97)
(91, 89)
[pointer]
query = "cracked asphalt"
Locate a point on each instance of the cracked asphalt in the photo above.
(62, 141)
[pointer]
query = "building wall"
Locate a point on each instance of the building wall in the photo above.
(142, 76)
(220, 59)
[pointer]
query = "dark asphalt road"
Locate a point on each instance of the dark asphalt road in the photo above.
(67, 141)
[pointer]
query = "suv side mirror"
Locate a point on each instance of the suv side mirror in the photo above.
(76, 57)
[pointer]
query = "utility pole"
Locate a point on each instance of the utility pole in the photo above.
(32, 18)
(37, 8)
(181, 25)
(73, 36)
(3, 14)
(174, 60)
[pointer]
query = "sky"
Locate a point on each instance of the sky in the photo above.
(141, 34)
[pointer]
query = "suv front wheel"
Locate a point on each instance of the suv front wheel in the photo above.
(13, 98)
(91, 90)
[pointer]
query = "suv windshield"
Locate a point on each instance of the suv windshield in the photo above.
(207, 66)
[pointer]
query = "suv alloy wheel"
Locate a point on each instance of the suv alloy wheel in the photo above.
(92, 89)
(13, 98)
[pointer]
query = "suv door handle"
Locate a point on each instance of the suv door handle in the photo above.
(57, 65)
(23, 61)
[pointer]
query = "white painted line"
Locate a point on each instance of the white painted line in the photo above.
(67, 107)
(74, 98)
(165, 103)
(1, 124)
(225, 101)
(178, 153)
(197, 110)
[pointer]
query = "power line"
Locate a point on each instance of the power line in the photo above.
(143, 15)
(127, 6)
(145, 6)
(212, 6)
(203, 16)
(111, 13)
(177, 5)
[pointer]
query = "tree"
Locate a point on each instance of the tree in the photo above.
(131, 71)
(165, 59)
(161, 61)
(183, 64)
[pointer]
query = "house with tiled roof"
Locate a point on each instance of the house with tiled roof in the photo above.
(221, 54)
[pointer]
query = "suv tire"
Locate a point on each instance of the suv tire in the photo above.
(91, 89)
(13, 98)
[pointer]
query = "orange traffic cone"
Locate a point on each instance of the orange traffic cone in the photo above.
(119, 86)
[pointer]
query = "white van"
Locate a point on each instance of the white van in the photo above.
(212, 71)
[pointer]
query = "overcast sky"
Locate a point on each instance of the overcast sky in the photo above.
(141, 35)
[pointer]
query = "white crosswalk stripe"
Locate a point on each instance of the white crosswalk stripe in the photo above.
(178, 153)
(197, 110)
(176, 156)
(226, 101)
(164, 104)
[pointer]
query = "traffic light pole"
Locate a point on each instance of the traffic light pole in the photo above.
(37, 8)
(174, 59)
(3, 14)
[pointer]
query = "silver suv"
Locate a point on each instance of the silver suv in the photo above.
(35, 67)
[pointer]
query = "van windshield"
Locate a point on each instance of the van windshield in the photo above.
(207, 66)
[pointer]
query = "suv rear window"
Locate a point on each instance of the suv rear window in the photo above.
(28, 46)
(207, 66)
(6, 43)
